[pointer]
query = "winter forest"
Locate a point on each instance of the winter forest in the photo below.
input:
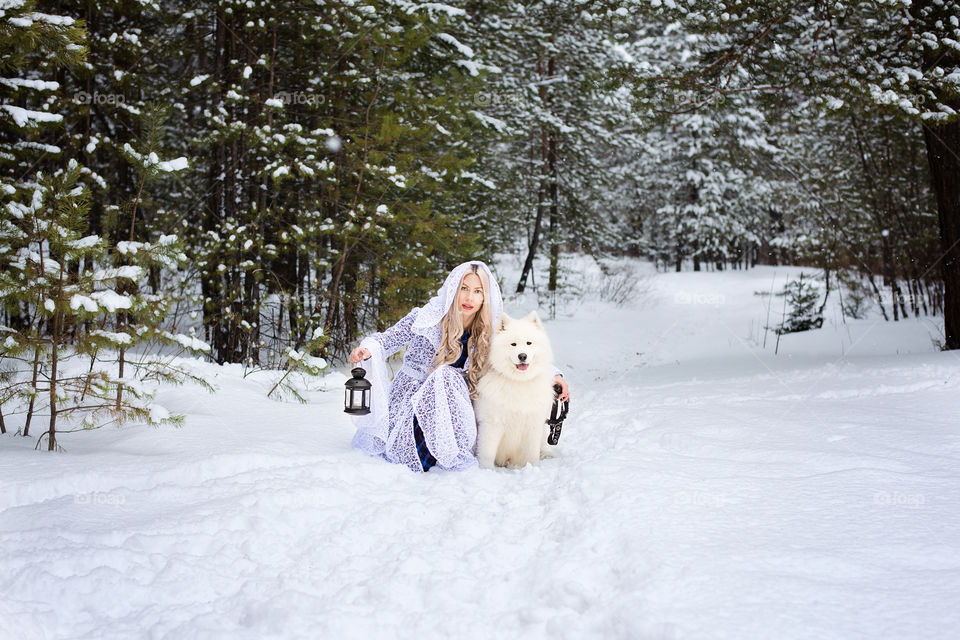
(244, 188)
(260, 181)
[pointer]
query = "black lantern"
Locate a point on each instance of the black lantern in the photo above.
(356, 399)
(557, 415)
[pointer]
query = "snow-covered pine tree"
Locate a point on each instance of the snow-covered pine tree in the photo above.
(557, 132)
(33, 45)
(146, 252)
(53, 273)
(326, 164)
(705, 181)
(801, 301)
(900, 56)
(860, 201)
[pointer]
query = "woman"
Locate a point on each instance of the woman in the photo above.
(427, 419)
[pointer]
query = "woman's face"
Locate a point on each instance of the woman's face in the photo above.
(470, 298)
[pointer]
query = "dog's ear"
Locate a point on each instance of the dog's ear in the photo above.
(535, 319)
(503, 321)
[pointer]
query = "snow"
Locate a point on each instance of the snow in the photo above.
(120, 338)
(127, 272)
(23, 116)
(86, 242)
(30, 83)
(480, 179)
(459, 46)
(489, 121)
(158, 413)
(125, 247)
(77, 301)
(474, 68)
(437, 7)
(39, 146)
(833, 102)
(188, 342)
(111, 300)
(177, 164)
(8, 5)
(62, 21)
(152, 159)
(704, 487)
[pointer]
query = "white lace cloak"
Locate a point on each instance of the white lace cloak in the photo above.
(441, 400)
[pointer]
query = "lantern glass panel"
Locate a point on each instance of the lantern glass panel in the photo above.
(356, 399)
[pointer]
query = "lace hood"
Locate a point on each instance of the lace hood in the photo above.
(427, 322)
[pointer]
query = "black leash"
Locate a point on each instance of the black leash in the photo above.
(557, 415)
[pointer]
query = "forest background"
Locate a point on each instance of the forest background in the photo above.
(264, 181)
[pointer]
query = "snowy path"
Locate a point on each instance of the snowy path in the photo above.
(705, 489)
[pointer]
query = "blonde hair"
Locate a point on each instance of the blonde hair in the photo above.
(478, 345)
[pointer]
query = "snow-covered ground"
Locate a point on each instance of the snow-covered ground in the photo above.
(704, 488)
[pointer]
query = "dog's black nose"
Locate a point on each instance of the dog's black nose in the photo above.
(522, 357)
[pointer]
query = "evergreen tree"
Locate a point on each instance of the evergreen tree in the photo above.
(53, 273)
(33, 45)
(801, 298)
(900, 56)
(338, 167)
(556, 131)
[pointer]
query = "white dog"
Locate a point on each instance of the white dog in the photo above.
(515, 394)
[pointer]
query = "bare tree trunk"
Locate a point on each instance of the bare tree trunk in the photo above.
(826, 294)
(879, 294)
(545, 175)
(554, 207)
(538, 221)
(943, 153)
(33, 398)
(120, 375)
(52, 431)
(350, 278)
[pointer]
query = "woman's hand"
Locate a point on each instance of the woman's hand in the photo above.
(359, 354)
(565, 388)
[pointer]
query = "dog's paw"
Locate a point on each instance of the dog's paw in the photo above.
(485, 463)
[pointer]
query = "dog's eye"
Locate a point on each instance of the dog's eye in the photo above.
(529, 343)
(513, 344)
